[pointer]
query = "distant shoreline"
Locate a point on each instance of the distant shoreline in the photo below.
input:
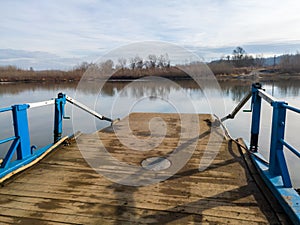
(172, 73)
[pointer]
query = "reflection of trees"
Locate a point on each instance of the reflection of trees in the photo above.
(238, 90)
(290, 63)
(136, 88)
(17, 88)
(150, 89)
(287, 87)
(139, 89)
(235, 89)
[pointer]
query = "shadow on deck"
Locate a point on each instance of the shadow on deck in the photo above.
(64, 189)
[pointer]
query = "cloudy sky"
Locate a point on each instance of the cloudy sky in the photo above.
(62, 33)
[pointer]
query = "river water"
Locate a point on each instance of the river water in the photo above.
(117, 99)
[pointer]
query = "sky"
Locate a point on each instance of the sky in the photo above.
(59, 34)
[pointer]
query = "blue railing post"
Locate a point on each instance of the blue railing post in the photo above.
(277, 162)
(21, 130)
(60, 102)
(256, 105)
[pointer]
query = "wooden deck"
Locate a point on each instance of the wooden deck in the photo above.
(64, 189)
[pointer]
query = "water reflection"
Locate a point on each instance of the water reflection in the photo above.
(234, 88)
(17, 88)
(287, 88)
(113, 87)
(41, 120)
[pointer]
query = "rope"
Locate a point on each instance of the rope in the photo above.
(227, 134)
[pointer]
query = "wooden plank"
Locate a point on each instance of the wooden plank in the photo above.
(63, 188)
(69, 206)
(156, 202)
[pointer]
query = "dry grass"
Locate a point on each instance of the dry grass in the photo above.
(13, 74)
(290, 63)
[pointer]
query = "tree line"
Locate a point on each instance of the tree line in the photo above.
(152, 61)
(240, 58)
(290, 63)
(226, 65)
(239, 62)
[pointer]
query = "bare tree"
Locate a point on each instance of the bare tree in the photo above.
(290, 63)
(107, 66)
(152, 60)
(132, 63)
(238, 53)
(138, 62)
(167, 61)
(122, 63)
(161, 61)
(259, 60)
(147, 64)
(83, 66)
(240, 58)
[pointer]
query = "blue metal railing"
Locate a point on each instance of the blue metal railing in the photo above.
(20, 145)
(21, 141)
(5, 109)
(7, 139)
(277, 161)
(274, 171)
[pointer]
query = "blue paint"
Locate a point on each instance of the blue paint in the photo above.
(59, 113)
(5, 109)
(21, 130)
(291, 148)
(277, 160)
(10, 153)
(14, 165)
(21, 141)
(275, 172)
(291, 108)
(287, 197)
(256, 108)
(7, 140)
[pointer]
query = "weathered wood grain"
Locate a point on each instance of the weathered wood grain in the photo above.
(64, 189)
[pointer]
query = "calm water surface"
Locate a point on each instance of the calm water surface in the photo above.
(116, 99)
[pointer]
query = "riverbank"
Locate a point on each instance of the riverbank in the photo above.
(11, 74)
(260, 76)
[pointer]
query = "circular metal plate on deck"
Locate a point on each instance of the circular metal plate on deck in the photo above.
(156, 163)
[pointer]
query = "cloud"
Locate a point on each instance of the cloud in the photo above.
(13, 54)
(82, 28)
(37, 60)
